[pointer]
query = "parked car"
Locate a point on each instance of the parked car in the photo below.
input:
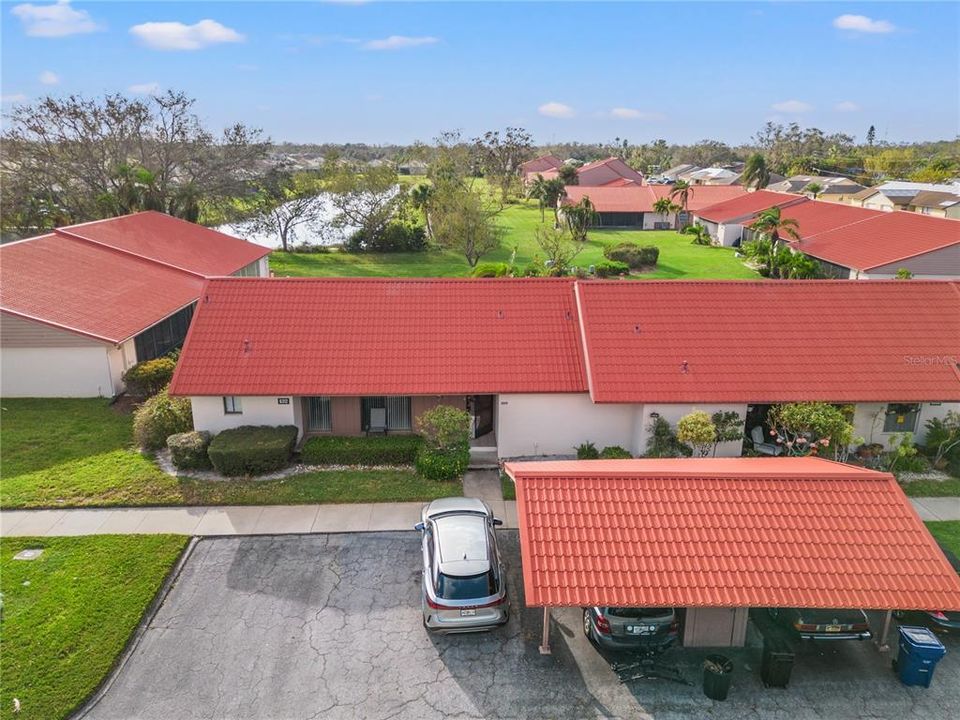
(464, 586)
(627, 628)
(940, 620)
(820, 624)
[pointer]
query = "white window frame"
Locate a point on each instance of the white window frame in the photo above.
(232, 405)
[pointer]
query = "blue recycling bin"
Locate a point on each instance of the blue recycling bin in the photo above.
(920, 651)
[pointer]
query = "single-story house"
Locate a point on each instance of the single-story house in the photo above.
(543, 165)
(725, 220)
(81, 304)
(546, 364)
(833, 188)
(610, 171)
(937, 204)
(632, 205)
(718, 536)
(898, 194)
(880, 245)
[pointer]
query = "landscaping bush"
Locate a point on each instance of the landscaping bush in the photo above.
(635, 256)
(252, 449)
(491, 270)
(396, 236)
(149, 377)
(663, 441)
(587, 451)
(311, 249)
(615, 452)
(611, 269)
(445, 453)
(375, 450)
(189, 450)
(159, 417)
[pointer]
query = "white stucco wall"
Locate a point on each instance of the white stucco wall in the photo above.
(555, 423)
(55, 372)
(672, 414)
(651, 218)
(121, 358)
(868, 420)
(208, 413)
(729, 233)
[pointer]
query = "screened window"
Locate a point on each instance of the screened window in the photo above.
(901, 418)
(318, 415)
(379, 414)
(231, 405)
(163, 337)
(251, 270)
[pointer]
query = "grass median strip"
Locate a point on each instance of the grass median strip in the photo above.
(68, 614)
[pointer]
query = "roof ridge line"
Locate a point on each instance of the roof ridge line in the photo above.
(63, 232)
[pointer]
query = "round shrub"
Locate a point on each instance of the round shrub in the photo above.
(149, 377)
(635, 256)
(491, 270)
(611, 269)
(445, 454)
(159, 417)
(615, 452)
(189, 450)
(252, 449)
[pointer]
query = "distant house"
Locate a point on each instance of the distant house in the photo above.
(936, 204)
(631, 205)
(725, 221)
(897, 194)
(81, 304)
(611, 171)
(835, 189)
(539, 166)
(412, 167)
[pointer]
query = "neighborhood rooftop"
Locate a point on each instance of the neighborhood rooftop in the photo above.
(654, 341)
(742, 532)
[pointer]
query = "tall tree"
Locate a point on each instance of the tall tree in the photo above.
(465, 222)
(364, 200)
(500, 156)
(87, 157)
(771, 225)
(681, 193)
(421, 197)
(871, 135)
(286, 203)
(756, 174)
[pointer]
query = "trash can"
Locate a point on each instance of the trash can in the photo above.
(777, 663)
(920, 651)
(717, 673)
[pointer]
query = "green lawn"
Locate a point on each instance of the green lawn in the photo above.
(76, 453)
(932, 488)
(507, 487)
(679, 259)
(947, 532)
(68, 614)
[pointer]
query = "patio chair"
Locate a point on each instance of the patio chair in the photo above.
(760, 444)
(378, 421)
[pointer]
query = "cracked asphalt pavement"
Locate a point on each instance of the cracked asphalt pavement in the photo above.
(329, 626)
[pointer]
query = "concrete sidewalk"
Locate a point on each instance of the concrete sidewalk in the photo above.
(937, 508)
(226, 520)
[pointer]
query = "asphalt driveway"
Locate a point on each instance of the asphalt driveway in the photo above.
(329, 626)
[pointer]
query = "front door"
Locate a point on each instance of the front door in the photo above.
(483, 414)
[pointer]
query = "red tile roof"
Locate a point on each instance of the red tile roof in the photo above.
(734, 532)
(771, 341)
(627, 198)
(111, 279)
(609, 170)
(375, 336)
(817, 216)
(541, 164)
(885, 238)
(171, 241)
(747, 205)
(90, 289)
(702, 196)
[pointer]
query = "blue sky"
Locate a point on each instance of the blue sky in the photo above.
(398, 72)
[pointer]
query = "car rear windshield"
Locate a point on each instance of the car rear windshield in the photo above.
(638, 612)
(471, 587)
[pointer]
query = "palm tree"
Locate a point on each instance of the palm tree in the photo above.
(682, 191)
(579, 218)
(537, 191)
(701, 236)
(553, 190)
(664, 206)
(771, 224)
(814, 189)
(421, 196)
(756, 174)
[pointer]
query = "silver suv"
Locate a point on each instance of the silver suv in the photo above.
(464, 584)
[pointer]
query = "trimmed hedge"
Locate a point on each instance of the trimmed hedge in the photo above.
(373, 450)
(449, 464)
(149, 377)
(189, 450)
(635, 256)
(615, 452)
(159, 417)
(611, 269)
(252, 449)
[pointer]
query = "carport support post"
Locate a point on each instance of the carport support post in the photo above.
(545, 640)
(882, 640)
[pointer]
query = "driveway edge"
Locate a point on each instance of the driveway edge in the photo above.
(138, 633)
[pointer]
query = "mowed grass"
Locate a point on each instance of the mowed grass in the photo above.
(679, 259)
(947, 532)
(68, 614)
(932, 488)
(79, 453)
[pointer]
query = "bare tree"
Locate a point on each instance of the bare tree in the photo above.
(286, 203)
(366, 200)
(465, 222)
(500, 156)
(559, 247)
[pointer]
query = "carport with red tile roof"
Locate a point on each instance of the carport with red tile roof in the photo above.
(724, 533)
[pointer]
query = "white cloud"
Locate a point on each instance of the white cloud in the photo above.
(634, 114)
(863, 24)
(56, 20)
(555, 110)
(15, 98)
(846, 106)
(48, 77)
(792, 106)
(399, 42)
(147, 88)
(177, 36)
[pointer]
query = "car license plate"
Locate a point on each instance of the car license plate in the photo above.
(833, 628)
(640, 629)
(468, 612)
